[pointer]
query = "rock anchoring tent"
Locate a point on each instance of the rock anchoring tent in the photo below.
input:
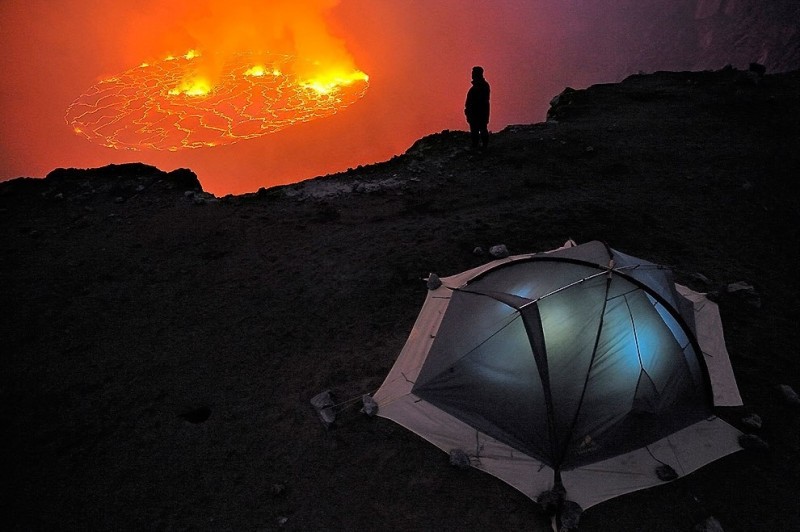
(583, 371)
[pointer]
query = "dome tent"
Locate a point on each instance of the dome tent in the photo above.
(583, 369)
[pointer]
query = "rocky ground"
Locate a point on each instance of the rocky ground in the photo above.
(161, 345)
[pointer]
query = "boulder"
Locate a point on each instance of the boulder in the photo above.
(499, 251)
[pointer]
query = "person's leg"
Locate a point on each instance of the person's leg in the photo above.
(475, 133)
(484, 134)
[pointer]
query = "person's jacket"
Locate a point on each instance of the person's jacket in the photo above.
(477, 105)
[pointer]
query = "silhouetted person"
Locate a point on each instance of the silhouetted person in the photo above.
(477, 109)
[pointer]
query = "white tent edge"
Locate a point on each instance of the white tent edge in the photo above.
(685, 451)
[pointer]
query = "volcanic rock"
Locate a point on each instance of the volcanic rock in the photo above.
(459, 459)
(752, 421)
(499, 251)
(753, 442)
(789, 395)
(746, 292)
(433, 281)
(119, 318)
(711, 524)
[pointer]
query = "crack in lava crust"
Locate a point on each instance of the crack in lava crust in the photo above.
(256, 95)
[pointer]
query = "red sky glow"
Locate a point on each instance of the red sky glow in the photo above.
(418, 55)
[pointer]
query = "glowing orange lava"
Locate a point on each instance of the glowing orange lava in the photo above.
(171, 104)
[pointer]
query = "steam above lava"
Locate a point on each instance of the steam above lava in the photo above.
(221, 28)
(254, 68)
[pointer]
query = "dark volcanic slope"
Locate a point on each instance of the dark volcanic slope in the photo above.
(160, 347)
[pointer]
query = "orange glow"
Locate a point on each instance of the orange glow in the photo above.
(418, 55)
(218, 92)
(169, 105)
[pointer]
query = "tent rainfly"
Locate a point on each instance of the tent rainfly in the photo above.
(581, 371)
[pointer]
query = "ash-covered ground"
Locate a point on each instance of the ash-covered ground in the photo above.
(161, 345)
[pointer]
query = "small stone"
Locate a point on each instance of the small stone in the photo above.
(370, 407)
(277, 489)
(499, 251)
(709, 525)
(570, 515)
(789, 395)
(323, 403)
(740, 286)
(433, 281)
(459, 459)
(666, 473)
(746, 291)
(119, 199)
(478, 251)
(551, 499)
(752, 421)
(752, 442)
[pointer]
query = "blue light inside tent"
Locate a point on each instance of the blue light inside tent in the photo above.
(559, 323)
(506, 357)
(526, 288)
(625, 337)
(627, 352)
(648, 340)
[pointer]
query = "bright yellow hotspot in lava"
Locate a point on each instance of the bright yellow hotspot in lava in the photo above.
(171, 104)
(257, 70)
(331, 81)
